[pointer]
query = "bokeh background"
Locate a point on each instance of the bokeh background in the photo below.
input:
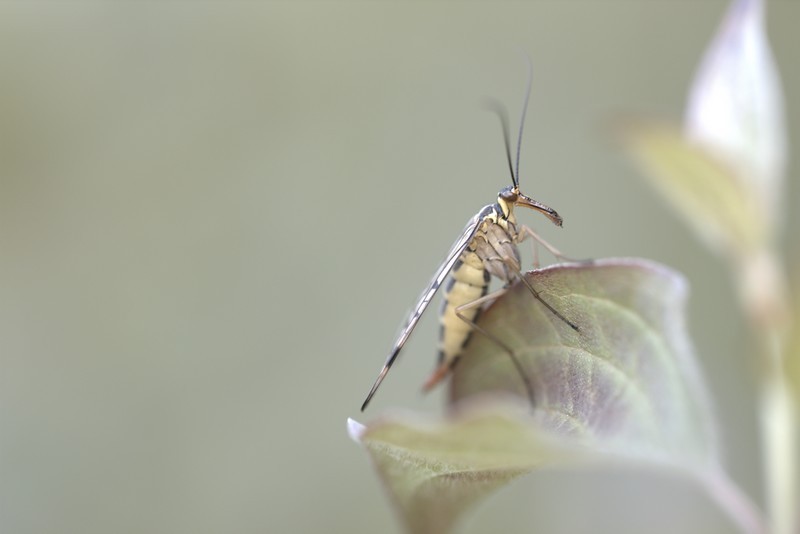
(213, 217)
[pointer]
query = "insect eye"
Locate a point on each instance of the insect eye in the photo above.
(509, 196)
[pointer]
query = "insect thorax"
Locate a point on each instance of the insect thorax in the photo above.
(495, 244)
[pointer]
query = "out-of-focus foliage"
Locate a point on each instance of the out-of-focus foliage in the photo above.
(724, 170)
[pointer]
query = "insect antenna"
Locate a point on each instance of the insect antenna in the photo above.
(515, 175)
(498, 108)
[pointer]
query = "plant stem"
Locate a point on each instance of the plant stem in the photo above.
(779, 439)
(763, 293)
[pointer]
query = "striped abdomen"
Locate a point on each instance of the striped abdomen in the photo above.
(492, 252)
(468, 281)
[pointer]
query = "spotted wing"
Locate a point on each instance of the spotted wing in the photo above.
(425, 299)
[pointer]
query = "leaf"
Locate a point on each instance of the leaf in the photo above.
(724, 171)
(625, 389)
(702, 188)
(628, 378)
(735, 105)
(435, 472)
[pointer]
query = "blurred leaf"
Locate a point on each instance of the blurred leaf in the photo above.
(735, 106)
(625, 389)
(724, 173)
(702, 188)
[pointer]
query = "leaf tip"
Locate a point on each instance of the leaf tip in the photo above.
(355, 430)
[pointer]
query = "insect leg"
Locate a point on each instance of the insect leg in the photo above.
(517, 364)
(445, 364)
(509, 259)
(546, 304)
(527, 231)
(535, 249)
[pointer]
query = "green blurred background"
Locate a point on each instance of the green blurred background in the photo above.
(214, 216)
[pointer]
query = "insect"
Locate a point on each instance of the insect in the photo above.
(487, 247)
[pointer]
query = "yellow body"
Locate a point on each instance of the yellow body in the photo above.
(469, 281)
(492, 252)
